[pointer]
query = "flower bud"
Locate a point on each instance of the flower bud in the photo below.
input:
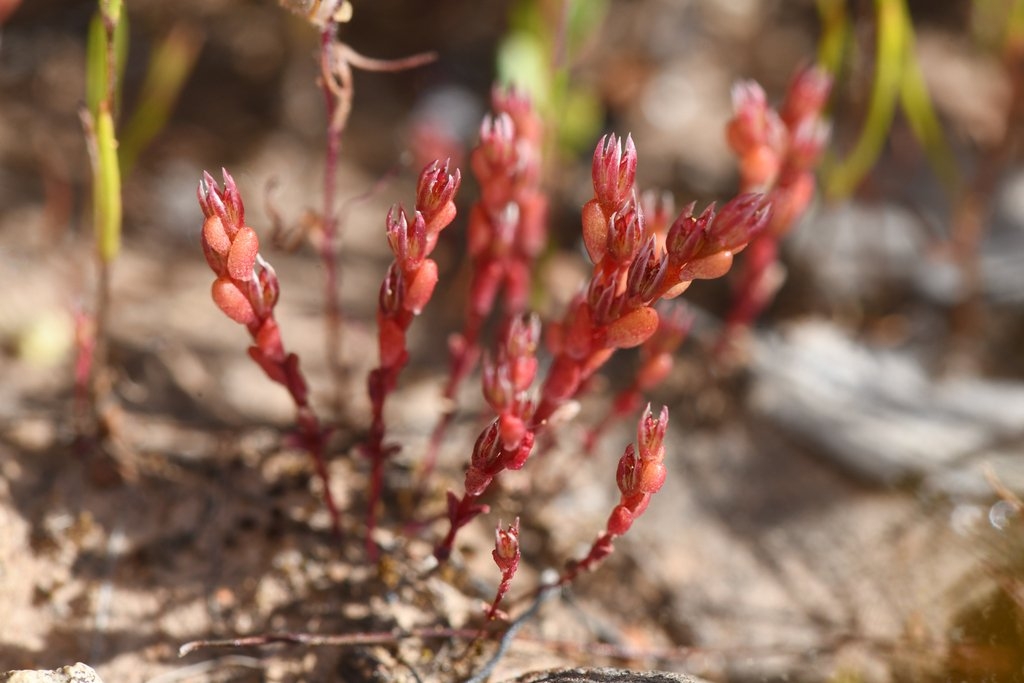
(627, 472)
(807, 94)
(613, 172)
(487, 451)
(739, 221)
(506, 547)
(746, 130)
(625, 229)
(646, 272)
(651, 434)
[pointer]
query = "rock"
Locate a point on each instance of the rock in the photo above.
(603, 676)
(878, 414)
(78, 673)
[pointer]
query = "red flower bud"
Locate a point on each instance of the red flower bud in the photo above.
(613, 171)
(739, 221)
(435, 193)
(625, 229)
(646, 272)
(506, 547)
(628, 471)
(807, 94)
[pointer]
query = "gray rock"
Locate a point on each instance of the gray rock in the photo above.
(603, 676)
(880, 415)
(77, 673)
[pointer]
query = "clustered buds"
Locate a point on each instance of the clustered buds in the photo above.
(507, 229)
(246, 290)
(505, 443)
(507, 225)
(412, 276)
(636, 263)
(778, 152)
(407, 287)
(506, 556)
(640, 474)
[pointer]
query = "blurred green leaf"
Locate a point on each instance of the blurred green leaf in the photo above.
(523, 60)
(107, 188)
(169, 68)
(917, 105)
(843, 176)
(835, 34)
(97, 62)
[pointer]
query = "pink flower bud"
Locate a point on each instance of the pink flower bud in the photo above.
(807, 94)
(435, 191)
(646, 273)
(242, 255)
(497, 148)
(628, 471)
(602, 295)
(232, 200)
(524, 335)
(487, 451)
(506, 547)
(625, 229)
(232, 301)
(226, 204)
(747, 128)
(651, 432)
(739, 221)
(613, 171)
(687, 237)
(497, 388)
